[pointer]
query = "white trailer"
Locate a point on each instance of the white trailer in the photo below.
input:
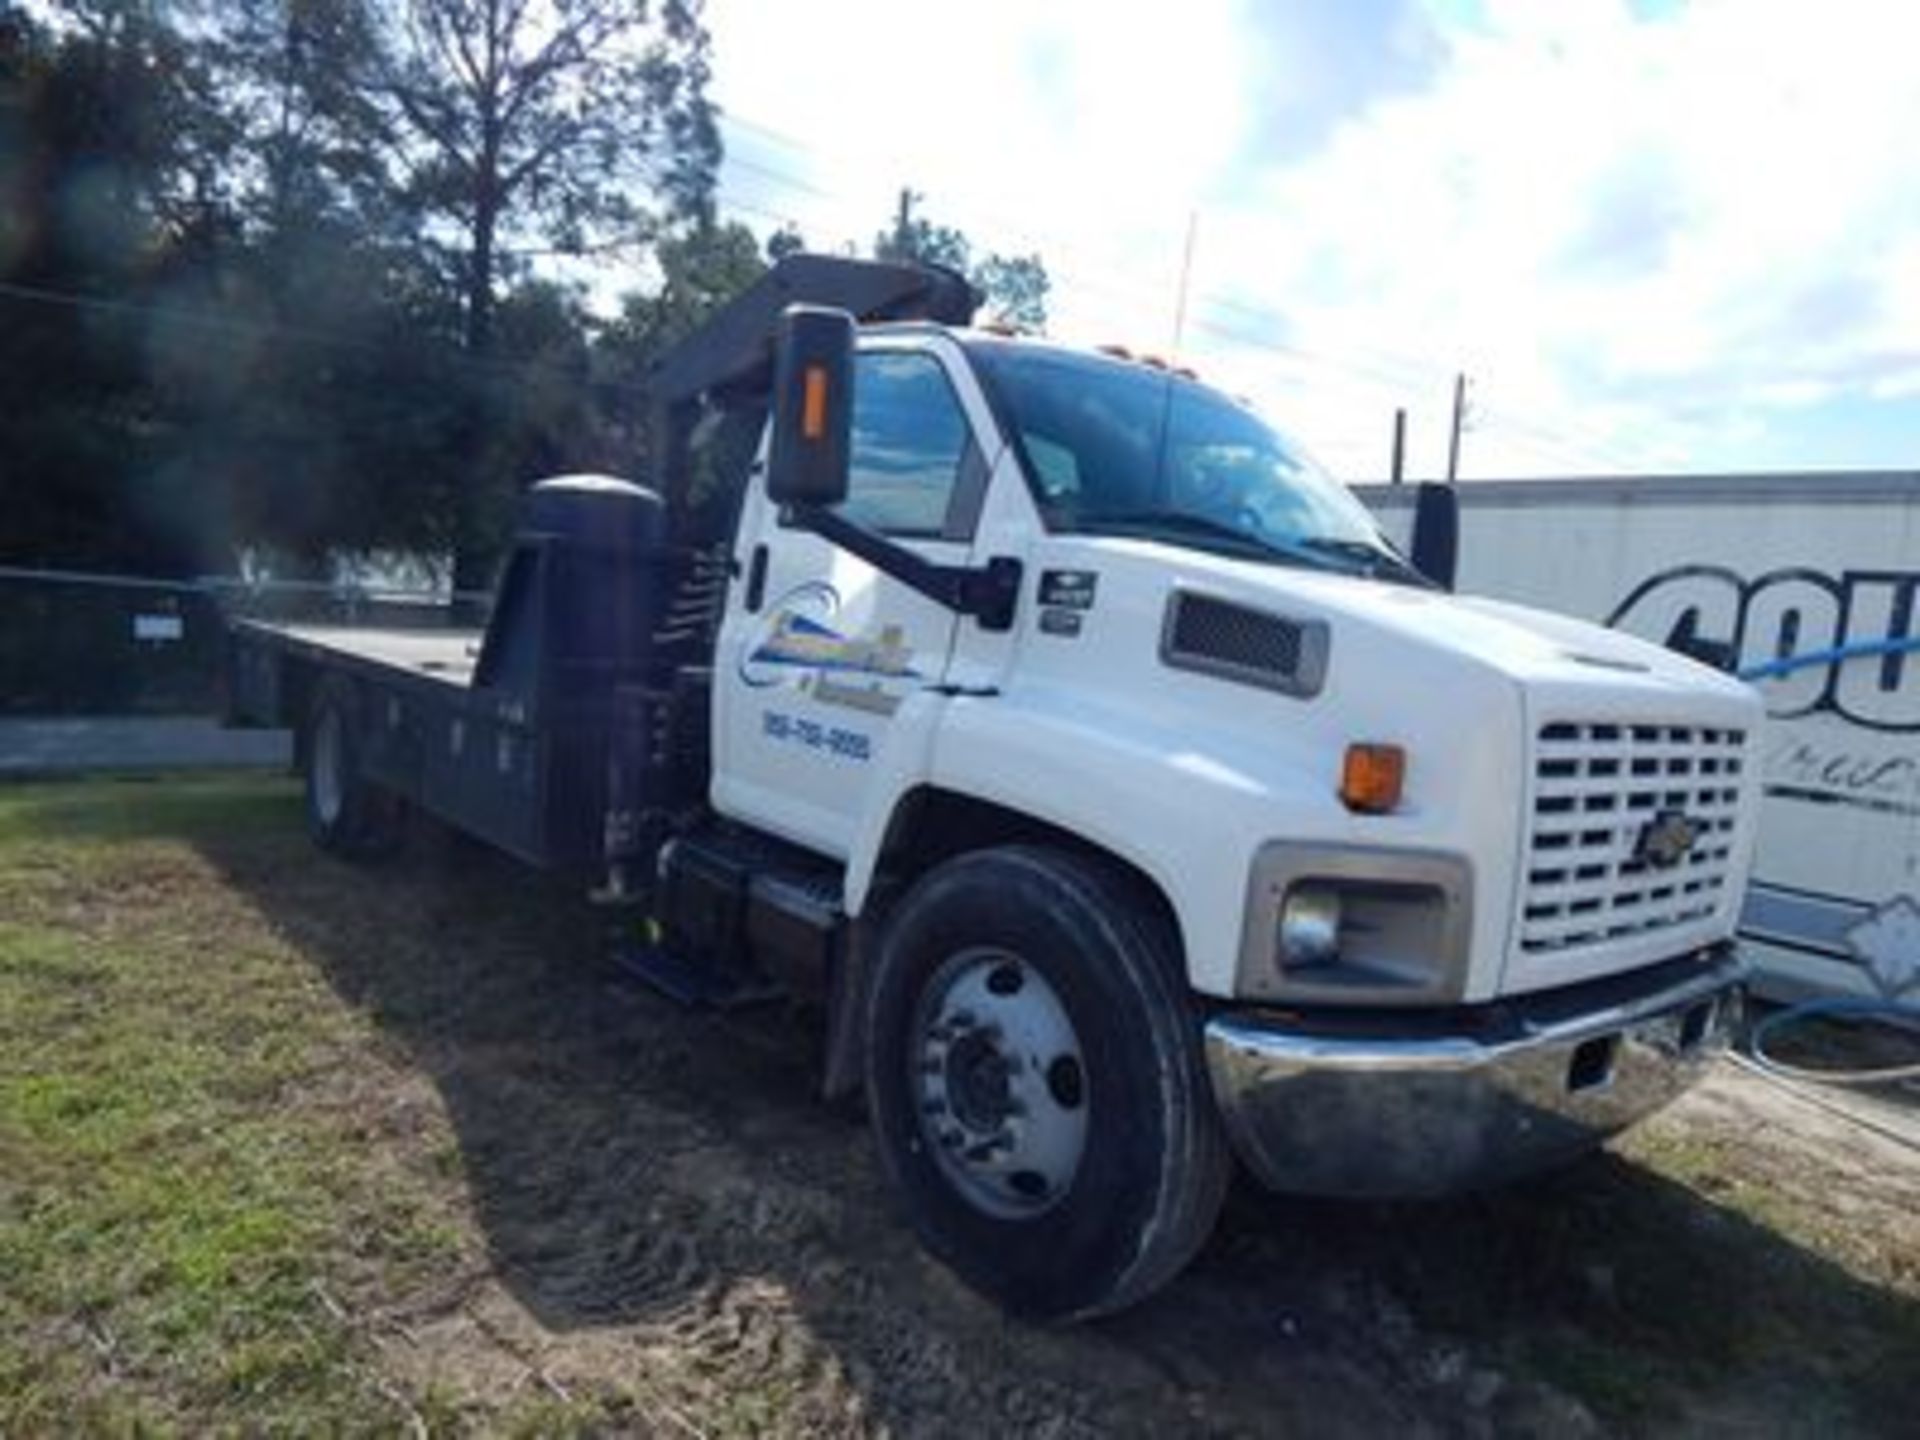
(1805, 584)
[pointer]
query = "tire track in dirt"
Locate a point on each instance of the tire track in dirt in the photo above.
(663, 1209)
(665, 1219)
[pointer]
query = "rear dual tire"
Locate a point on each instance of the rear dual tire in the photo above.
(1035, 1077)
(347, 813)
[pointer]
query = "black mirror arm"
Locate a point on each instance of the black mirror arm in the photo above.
(1436, 532)
(989, 593)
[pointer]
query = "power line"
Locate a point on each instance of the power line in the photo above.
(1391, 370)
(248, 330)
(1401, 374)
(1548, 448)
(1541, 442)
(1129, 285)
(1600, 442)
(793, 182)
(238, 329)
(1128, 290)
(1021, 228)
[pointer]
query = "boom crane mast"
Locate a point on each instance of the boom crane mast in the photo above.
(730, 357)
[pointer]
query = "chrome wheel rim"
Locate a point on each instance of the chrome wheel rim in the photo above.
(999, 1083)
(327, 766)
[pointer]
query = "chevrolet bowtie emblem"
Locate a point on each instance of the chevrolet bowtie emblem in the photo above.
(1666, 839)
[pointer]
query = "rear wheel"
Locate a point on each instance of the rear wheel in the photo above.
(1035, 1077)
(347, 813)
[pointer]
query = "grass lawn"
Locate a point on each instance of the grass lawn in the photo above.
(178, 1187)
(290, 1146)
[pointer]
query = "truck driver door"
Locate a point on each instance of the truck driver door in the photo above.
(818, 649)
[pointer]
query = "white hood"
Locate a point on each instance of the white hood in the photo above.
(1525, 644)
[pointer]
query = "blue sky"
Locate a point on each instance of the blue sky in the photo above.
(1659, 236)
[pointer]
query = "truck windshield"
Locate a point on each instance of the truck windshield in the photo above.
(1117, 448)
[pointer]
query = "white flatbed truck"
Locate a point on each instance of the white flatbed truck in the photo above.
(1124, 802)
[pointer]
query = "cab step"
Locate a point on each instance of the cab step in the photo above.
(690, 981)
(739, 919)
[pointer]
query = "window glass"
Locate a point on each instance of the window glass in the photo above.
(1056, 470)
(909, 443)
(1112, 443)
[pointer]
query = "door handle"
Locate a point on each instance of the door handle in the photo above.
(756, 579)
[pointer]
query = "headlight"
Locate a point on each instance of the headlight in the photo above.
(1355, 925)
(1310, 927)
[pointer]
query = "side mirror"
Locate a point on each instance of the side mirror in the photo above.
(812, 407)
(1436, 532)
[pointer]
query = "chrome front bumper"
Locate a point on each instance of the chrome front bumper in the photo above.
(1393, 1104)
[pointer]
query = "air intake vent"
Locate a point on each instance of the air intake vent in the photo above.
(1235, 642)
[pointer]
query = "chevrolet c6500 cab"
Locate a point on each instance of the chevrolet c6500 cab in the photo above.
(1124, 800)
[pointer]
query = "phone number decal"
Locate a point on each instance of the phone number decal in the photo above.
(829, 739)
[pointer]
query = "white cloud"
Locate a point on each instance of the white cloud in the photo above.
(1652, 243)
(1083, 130)
(1633, 233)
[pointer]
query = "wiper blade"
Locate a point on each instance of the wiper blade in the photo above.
(1380, 562)
(1154, 524)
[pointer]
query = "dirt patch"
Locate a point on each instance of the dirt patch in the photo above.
(563, 1203)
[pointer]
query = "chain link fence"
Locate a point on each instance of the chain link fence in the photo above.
(78, 643)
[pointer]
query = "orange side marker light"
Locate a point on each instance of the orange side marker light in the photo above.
(1372, 778)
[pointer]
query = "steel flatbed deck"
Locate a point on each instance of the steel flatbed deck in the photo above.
(446, 655)
(516, 759)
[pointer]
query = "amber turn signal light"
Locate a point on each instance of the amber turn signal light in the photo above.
(813, 409)
(1371, 778)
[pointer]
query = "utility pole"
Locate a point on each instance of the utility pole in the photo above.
(903, 225)
(1459, 418)
(1399, 471)
(1186, 275)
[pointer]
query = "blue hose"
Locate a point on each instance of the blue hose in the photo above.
(1858, 650)
(1883, 1012)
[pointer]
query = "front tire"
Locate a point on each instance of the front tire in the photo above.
(1035, 1079)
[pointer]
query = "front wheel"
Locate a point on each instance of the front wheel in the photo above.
(1034, 1074)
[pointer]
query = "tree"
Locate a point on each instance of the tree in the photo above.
(104, 188)
(509, 118)
(1014, 287)
(701, 269)
(271, 263)
(915, 238)
(541, 378)
(513, 127)
(346, 425)
(785, 241)
(308, 135)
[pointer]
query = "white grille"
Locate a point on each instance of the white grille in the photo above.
(1597, 788)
